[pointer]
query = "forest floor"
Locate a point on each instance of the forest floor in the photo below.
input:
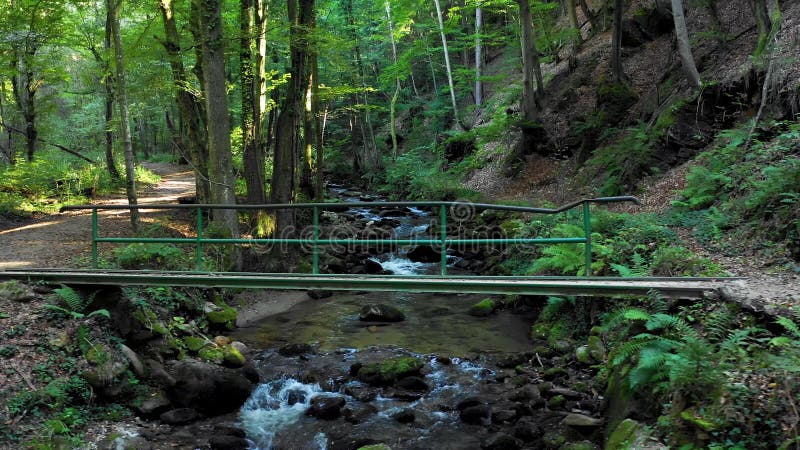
(61, 240)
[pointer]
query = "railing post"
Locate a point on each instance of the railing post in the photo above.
(94, 238)
(443, 224)
(587, 229)
(199, 247)
(315, 254)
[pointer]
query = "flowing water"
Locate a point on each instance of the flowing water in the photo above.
(437, 328)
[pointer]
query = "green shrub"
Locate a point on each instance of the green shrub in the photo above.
(150, 255)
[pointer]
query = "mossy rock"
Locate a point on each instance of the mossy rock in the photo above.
(540, 331)
(390, 370)
(224, 317)
(233, 357)
(193, 343)
(562, 346)
(553, 439)
(375, 447)
(97, 355)
(582, 355)
(623, 435)
(16, 292)
(597, 350)
(212, 354)
(483, 308)
(556, 402)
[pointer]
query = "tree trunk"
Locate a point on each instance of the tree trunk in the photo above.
(25, 88)
(368, 157)
(530, 113)
(7, 150)
(684, 48)
(287, 131)
(220, 171)
(114, 7)
(307, 167)
(318, 130)
(573, 22)
(447, 63)
(192, 111)
(616, 44)
(478, 56)
(260, 91)
(251, 150)
(766, 25)
(393, 102)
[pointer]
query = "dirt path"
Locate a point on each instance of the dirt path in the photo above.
(63, 240)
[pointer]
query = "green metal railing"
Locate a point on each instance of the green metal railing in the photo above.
(442, 241)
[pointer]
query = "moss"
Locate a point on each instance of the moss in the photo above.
(483, 308)
(540, 331)
(582, 354)
(97, 355)
(556, 402)
(553, 439)
(692, 416)
(233, 357)
(193, 344)
(596, 349)
(583, 445)
(390, 370)
(212, 354)
(623, 435)
(375, 447)
(224, 317)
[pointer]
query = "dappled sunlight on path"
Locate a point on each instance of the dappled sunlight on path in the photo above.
(64, 240)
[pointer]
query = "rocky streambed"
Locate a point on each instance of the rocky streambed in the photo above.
(412, 371)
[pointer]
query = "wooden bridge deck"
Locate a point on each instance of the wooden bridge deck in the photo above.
(691, 288)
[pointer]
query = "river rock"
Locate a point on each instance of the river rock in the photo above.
(483, 308)
(580, 420)
(317, 294)
(372, 267)
(380, 313)
(405, 415)
(180, 416)
(326, 407)
(210, 389)
(226, 442)
(501, 441)
(583, 356)
(154, 404)
(527, 429)
(424, 254)
(289, 350)
(504, 416)
(413, 383)
(596, 349)
(295, 396)
(476, 415)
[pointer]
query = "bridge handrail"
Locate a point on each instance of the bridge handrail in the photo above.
(442, 241)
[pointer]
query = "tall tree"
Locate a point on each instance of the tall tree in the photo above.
(616, 44)
(113, 7)
(447, 63)
(191, 108)
(530, 61)
(220, 169)
(684, 48)
(252, 152)
(478, 55)
(287, 142)
(393, 102)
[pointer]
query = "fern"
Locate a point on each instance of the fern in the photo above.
(789, 325)
(71, 297)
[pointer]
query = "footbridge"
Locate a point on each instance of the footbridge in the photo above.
(317, 237)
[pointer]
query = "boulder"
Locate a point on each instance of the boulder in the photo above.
(483, 308)
(180, 416)
(372, 267)
(326, 407)
(390, 370)
(501, 441)
(317, 294)
(581, 421)
(153, 404)
(424, 254)
(380, 313)
(227, 442)
(295, 350)
(210, 389)
(476, 415)
(405, 415)
(527, 429)
(413, 383)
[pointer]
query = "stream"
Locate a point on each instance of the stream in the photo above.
(313, 349)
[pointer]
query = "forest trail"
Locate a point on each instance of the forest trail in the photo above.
(59, 240)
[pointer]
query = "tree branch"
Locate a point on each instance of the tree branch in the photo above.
(43, 141)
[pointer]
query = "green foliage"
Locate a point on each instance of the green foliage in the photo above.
(679, 261)
(620, 165)
(749, 186)
(150, 255)
(76, 304)
(417, 175)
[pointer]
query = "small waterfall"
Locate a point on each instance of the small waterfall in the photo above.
(273, 406)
